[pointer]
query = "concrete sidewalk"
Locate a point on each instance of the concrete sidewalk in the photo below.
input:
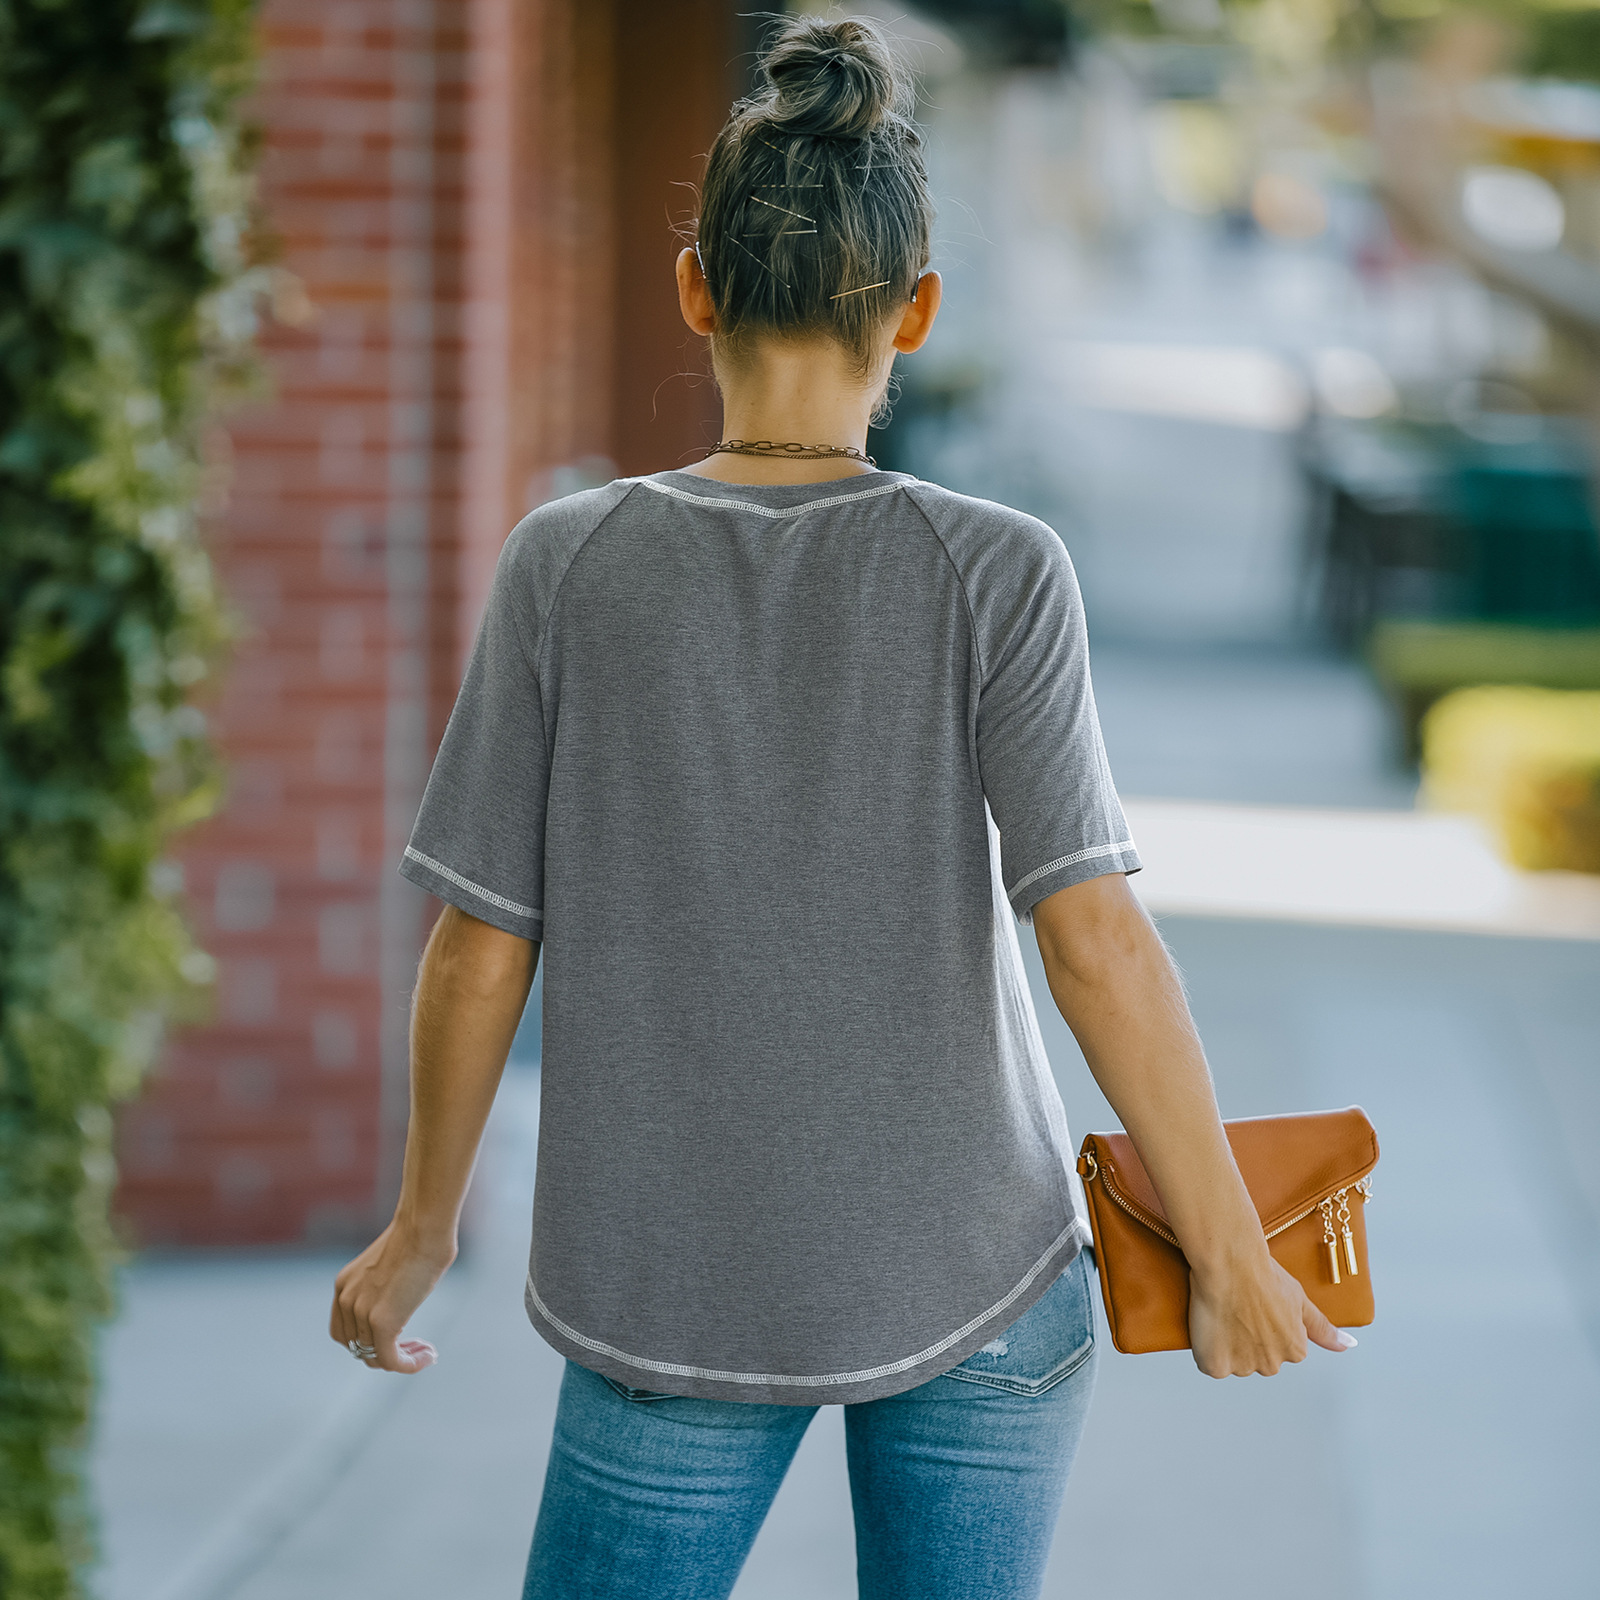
(1452, 1454)
(241, 1452)
(243, 1457)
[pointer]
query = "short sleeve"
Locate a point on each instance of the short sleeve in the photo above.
(478, 842)
(1040, 752)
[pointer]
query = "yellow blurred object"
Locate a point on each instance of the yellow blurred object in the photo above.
(1194, 148)
(1528, 762)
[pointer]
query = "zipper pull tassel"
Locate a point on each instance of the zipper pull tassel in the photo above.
(1329, 1242)
(1343, 1198)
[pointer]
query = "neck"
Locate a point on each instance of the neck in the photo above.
(792, 393)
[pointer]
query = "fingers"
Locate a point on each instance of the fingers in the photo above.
(1261, 1366)
(419, 1352)
(1259, 1335)
(352, 1322)
(374, 1297)
(368, 1341)
(1320, 1331)
(392, 1353)
(341, 1325)
(409, 1357)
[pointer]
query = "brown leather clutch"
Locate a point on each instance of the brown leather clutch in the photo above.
(1309, 1178)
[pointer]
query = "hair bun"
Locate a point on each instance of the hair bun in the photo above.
(833, 79)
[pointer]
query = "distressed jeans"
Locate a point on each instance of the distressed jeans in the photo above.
(956, 1484)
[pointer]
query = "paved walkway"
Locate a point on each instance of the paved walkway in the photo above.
(243, 1454)
(243, 1457)
(1451, 1454)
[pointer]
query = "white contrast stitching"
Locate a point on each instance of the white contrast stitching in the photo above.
(1068, 861)
(809, 1381)
(767, 511)
(474, 888)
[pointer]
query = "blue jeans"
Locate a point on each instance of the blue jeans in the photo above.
(956, 1484)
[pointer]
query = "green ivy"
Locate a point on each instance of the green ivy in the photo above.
(126, 306)
(1562, 44)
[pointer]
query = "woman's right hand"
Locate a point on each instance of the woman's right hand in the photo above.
(1252, 1316)
(376, 1295)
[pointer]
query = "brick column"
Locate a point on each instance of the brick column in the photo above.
(449, 183)
(280, 1119)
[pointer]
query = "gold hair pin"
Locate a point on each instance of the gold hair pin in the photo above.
(787, 156)
(758, 261)
(862, 290)
(797, 215)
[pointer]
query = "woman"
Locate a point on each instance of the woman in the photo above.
(728, 750)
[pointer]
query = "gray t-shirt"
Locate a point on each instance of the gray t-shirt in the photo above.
(731, 753)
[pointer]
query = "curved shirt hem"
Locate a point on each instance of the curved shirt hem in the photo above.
(846, 1388)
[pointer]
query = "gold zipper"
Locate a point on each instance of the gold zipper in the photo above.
(1364, 1189)
(1110, 1189)
(1283, 1227)
(1339, 1197)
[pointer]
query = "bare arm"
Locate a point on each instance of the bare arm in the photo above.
(1116, 986)
(471, 989)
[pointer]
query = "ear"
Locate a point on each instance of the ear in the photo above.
(916, 322)
(694, 298)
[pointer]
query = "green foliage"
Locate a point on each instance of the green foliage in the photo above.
(126, 299)
(1563, 44)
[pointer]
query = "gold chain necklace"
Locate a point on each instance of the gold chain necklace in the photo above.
(765, 447)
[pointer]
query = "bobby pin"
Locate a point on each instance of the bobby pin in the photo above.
(758, 261)
(862, 290)
(789, 186)
(784, 209)
(783, 233)
(786, 156)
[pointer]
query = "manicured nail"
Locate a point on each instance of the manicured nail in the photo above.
(1347, 1341)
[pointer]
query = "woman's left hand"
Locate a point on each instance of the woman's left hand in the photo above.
(378, 1293)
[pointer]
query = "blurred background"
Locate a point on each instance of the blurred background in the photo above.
(1286, 314)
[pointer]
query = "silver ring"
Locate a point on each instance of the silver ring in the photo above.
(362, 1352)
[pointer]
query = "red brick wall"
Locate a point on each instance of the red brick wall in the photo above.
(673, 87)
(448, 182)
(269, 1124)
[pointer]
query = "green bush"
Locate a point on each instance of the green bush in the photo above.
(126, 304)
(1562, 43)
